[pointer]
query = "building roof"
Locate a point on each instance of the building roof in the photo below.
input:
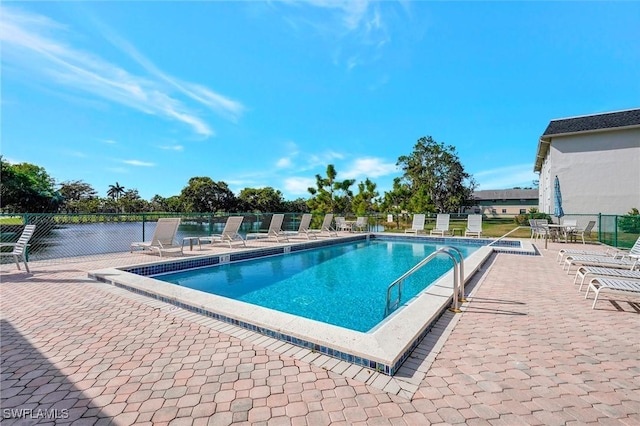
(588, 123)
(506, 194)
(584, 124)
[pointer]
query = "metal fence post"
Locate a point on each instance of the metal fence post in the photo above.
(143, 223)
(599, 227)
(615, 231)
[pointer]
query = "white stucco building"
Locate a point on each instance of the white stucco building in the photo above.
(597, 160)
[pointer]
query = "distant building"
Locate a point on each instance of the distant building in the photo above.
(597, 161)
(503, 202)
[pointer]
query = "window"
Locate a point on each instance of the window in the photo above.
(493, 211)
(504, 210)
(523, 211)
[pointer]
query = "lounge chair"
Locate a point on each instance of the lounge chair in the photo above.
(303, 228)
(229, 233)
(164, 237)
(474, 226)
(610, 252)
(608, 262)
(275, 230)
(599, 284)
(361, 224)
(442, 225)
(418, 224)
(326, 226)
(20, 247)
(585, 272)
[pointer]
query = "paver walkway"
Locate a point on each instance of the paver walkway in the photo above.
(527, 350)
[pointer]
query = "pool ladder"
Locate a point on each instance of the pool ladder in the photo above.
(458, 279)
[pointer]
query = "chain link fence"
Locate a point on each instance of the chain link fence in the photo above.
(64, 236)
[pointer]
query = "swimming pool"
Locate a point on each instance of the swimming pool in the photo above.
(383, 348)
(344, 284)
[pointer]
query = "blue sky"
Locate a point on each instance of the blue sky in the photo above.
(150, 94)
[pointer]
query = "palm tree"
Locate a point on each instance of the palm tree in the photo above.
(115, 191)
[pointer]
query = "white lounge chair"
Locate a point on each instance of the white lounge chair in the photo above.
(442, 225)
(474, 226)
(164, 237)
(325, 227)
(585, 272)
(609, 252)
(229, 232)
(608, 262)
(361, 224)
(418, 224)
(599, 284)
(303, 228)
(20, 247)
(275, 230)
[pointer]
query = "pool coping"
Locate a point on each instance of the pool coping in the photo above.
(382, 349)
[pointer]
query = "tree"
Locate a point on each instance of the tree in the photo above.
(363, 202)
(331, 196)
(202, 195)
(435, 177)
(26, 188)
(79, 197)
(131, 202)
(115, 191)
(260, 200)
(299, 205)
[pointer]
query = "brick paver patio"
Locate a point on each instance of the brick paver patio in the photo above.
(527, 350)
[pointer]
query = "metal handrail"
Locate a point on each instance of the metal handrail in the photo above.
(508, 233)
(398, 282)
(461, 296)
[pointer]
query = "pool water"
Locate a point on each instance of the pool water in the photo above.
(344, 285)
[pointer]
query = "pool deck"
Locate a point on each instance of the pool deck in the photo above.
(527, 349)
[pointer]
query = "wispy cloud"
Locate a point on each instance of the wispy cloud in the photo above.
(138, 163)
(506, 177)
(369, 167)
(355, 28)
(298, 185)
(38, 45)
(172, 148)
(109, 141)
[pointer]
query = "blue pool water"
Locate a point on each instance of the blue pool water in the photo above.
(343, 285)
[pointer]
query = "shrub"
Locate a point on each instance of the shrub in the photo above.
(631, 222)
(523, 219)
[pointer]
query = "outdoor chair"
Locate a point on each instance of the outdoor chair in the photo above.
(19, 251)
(586, 231)
(275, 230)
(164, 237)
(610, 252)
(598, 284)
(418, 224)
(325, 227)
(303, 228)
(585, 272)
(361, 224)
(442, 225)
(341, 224)
(229, 233)
(474, 226)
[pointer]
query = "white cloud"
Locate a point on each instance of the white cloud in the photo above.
(369, 167)
(172, 147)
(109, 141)
(36, 44)
(298, 185)
(506, 177)
(284, 162)
(138, 163)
